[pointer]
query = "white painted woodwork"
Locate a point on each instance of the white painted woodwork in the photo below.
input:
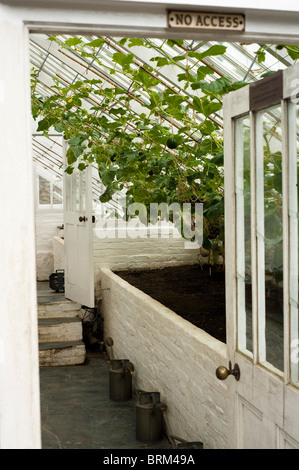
(78, 237)
(275, 22)
(19, 374)
(263, 407)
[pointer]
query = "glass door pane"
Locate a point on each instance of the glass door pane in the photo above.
(270, 237)
(243, 234)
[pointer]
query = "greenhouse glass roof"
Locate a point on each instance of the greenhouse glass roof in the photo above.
(53, 64)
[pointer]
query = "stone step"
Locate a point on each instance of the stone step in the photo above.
(61, 353)
(64, 309)
(59, 329)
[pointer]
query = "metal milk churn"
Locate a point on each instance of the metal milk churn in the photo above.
(183, 444)
(120, 380)
(149, 417)
(120, 376)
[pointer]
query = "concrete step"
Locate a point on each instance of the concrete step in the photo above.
(64, 309)
(61, 353)
(59, 329)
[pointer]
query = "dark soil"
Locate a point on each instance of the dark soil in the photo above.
(196, 293)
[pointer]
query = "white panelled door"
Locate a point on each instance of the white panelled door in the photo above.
(261, 145)
(78, 236)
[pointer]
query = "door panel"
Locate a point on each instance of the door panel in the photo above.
(78, 237)
(250, 424)
(285, 441)
(261, 213)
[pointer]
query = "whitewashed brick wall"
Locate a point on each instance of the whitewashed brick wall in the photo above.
(125, 251)
(171, 356)
(46, 222)
(116, 252)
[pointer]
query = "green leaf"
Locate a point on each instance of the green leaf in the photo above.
(218, 159)
(207, 127)
(69, 170)
(237, 85)
(107, 174)
(155, 99)
(96, 42)
(76, 85)
(175, 42)
(174, 105)
(124, 60)
(45, 124)
(212, 51)
(146, 79)
(261, 56)
(82, 166)
(293, 51)
(122, 41)
(59, 127)
(206, 107)
(161, 61)
(216, 86)
(76, 140)
(266, 74)
(120, 111)
(71, 158)
(185, 77)
(135, 42)
(178, 58)
(73, 41)
(108, 193)
(203, 71)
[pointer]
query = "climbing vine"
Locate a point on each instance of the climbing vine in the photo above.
(161, 143)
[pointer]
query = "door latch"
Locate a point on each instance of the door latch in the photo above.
(222, 372)
(83, 219)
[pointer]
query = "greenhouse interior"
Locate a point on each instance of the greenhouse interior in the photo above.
(147, 116)
(160, 230)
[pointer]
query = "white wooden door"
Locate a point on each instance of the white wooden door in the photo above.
(261, 129)
(78, 237)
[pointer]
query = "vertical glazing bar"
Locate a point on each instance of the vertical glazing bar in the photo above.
(293, 128)
(286, 241)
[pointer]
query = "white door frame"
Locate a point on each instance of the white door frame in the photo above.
(277, 22)
(279, 413)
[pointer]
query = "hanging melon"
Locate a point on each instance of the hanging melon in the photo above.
(171, 143)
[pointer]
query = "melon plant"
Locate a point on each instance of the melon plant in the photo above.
(141, 152)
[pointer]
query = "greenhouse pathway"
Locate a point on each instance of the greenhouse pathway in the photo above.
(77, 413)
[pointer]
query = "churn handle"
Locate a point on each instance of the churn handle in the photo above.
(124, 366)
(153, 395)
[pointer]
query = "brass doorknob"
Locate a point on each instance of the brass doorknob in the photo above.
(222, 372)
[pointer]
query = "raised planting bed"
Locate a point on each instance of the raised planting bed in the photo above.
(196, 293)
